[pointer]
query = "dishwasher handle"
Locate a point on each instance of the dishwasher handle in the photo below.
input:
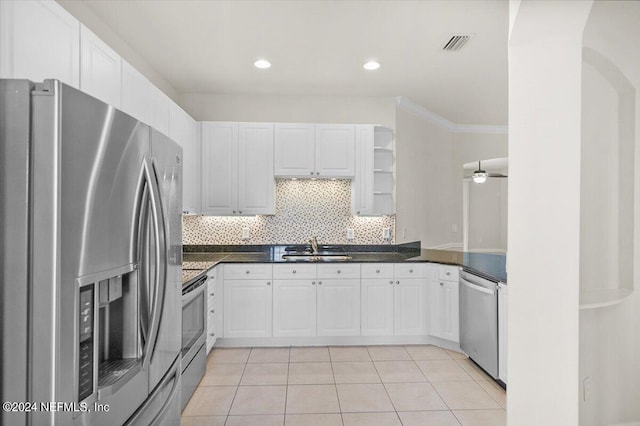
(477, 287)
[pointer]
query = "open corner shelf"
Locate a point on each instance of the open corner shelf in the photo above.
(602, 297)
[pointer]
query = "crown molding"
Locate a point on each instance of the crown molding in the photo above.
(417, 109)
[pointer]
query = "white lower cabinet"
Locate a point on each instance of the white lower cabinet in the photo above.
(316, 302)
(444, 321)
(394, 299)
(247, 300)
(294, 307)
(214, 302)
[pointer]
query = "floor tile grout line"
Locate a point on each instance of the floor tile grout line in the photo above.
(387, 392)
(333, 373)
(237, 387)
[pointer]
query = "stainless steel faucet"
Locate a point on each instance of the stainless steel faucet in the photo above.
(314, 244)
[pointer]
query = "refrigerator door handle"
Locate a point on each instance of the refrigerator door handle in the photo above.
(476, 287)
(160, 256)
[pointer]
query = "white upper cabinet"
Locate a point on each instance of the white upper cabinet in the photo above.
(219, 168)
(39, 40)
(183, 130)
(237, 169)
(315, 150)
(161, 111)
(362, 184)
(256, 184)
(335, 150)
(100, 69)
(137, 94)
(295, 149)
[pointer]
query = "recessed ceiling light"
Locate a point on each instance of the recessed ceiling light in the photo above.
(262, 64)
(371, 65)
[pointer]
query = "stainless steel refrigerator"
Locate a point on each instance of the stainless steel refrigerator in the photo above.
(90, 202)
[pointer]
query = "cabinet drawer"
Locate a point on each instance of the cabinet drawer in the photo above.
(448, 273)
(411, 270)
(248, 271)
(339, 271)
(377, 270)
(294, 271)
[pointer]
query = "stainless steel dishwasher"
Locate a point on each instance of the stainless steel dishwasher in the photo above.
(479, 321)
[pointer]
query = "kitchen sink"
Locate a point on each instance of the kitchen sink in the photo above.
(306, 257)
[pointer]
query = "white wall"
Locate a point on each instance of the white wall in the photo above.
(294, 109)
(610, 336)
(545, 49)
(430, 154)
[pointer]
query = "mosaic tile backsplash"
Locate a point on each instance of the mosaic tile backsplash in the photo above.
(304, 208)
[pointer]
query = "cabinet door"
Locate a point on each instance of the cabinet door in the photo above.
(39, 40)
(335, 150)
(444, 319)
(339, 307)
(161, 111)
(410, 313)
(294, 149)
(247, 308)
(377, 306)
(137, 94)
(362, 183)
(219, 168)
(100, 69)
(256, 184)
(294, 308)
(183, 130)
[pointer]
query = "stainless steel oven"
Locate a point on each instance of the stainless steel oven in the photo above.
(194, 330)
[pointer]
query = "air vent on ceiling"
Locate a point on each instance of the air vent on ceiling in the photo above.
(456, 42)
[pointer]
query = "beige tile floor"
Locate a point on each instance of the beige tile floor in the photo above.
(418, 385)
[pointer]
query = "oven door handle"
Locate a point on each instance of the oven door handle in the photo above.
(194, 291)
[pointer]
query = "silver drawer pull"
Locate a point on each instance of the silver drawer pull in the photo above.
(398, 282)
(268, 282)
(339, 271)
(320, 282)
(212, 334)
(247, 271)
(313, 283)
(213, 311)
(294, 271)
(212, 293)
(441, 283)
(411, 271)
(377, 271)
(391, 282)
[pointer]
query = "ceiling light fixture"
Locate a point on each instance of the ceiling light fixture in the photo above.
(371, 65)
(479, 176)
(262, 64)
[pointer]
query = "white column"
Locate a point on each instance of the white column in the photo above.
(545, 64)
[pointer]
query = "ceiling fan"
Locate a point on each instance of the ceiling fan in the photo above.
(480, 176)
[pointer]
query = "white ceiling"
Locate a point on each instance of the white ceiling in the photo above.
(318, 48)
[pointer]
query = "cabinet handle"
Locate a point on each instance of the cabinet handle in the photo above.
(268, 282)
(310, 173)
(211, 294)
(247, 271)
(317, 173)
(234, 212)
(294, 271)
(398, 282)
(240, 212)
(213, 311)
(391, 282)
(313, 283)
(320, 282)
(411, 271)
(377, 271)
(212, 334)
(357, 212)
(339, 271)
(441, 283)
(448, 273)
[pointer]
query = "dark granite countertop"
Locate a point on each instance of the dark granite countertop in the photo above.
(200, 258)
